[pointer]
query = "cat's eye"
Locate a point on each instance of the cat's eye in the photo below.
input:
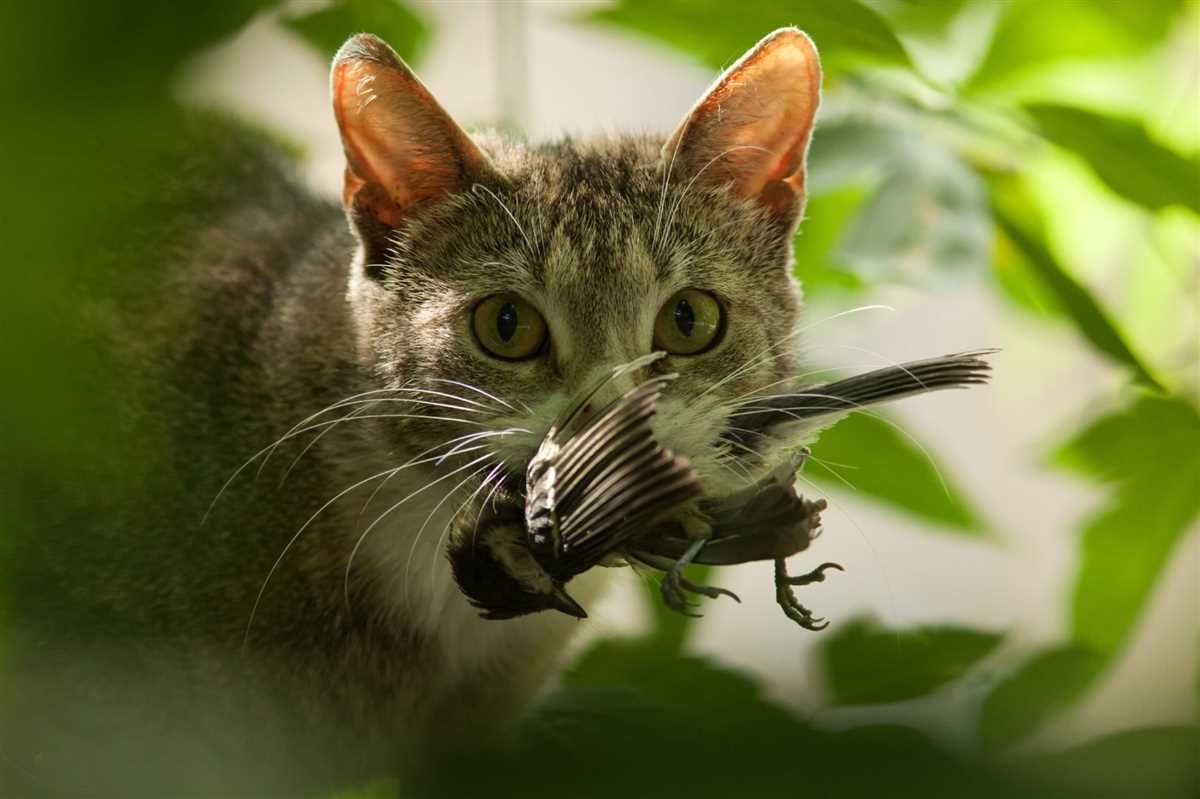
(508, 327)
(689, 323)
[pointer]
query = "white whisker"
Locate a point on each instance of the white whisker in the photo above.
(358, 544)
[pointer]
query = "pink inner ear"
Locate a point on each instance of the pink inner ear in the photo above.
(751, 131)
(402, 149)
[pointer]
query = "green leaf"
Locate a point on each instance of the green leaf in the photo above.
(924, 214)
(1152, 761)
(1033, 34)
(880, 462)
(1150, 452)
(919, 16)
(328, 28)
(1011, 211)
(1044, 685)
(1123, 155)
(820, 266)
(718, 32)
(866, 663)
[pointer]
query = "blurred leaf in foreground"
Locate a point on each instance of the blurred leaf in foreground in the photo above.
(1045, 684)
(1032, 34)
(1123, 155)
(327, 28)
(1150, 454)
(1161, 762)
(878, 461)
(717, 32)
(866, 663)
(1012, 208)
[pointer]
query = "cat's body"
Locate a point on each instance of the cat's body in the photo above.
(255, 625)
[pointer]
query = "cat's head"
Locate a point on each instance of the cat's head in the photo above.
(495, 279)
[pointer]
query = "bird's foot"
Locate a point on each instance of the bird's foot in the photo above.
(674, 585)
(787, 598)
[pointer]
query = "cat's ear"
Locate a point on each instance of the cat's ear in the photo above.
(751, 130)
(403, 151)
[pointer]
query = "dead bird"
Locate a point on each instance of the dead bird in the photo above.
(602, 490)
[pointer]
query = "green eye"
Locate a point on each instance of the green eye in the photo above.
(508, 327)
(689, 323)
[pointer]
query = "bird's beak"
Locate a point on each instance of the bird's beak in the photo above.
(560, 600)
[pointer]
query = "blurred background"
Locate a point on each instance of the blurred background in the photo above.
(1023, 569)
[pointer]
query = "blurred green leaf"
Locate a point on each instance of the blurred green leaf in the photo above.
(1123, 155)
(925, 212)
(328, 28)
(918, 16)
(718, 32)
(377, 789)
(880, 462)
(1044, 685)
(1012, 210)
(1032, 34)
(1020, 282)
(1150, 452)
(1153, 761)
(820, 266)
(866, 663)
(670, 679)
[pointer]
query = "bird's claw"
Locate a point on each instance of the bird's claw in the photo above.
(817, 575)
(674, 586)
(787, 598)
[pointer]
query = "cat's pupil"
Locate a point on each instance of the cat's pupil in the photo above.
(685, 317)
(506, 321)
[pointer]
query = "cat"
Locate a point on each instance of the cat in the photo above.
(266, 601)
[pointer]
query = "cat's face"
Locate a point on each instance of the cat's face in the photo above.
(586, 274)
(496, 280)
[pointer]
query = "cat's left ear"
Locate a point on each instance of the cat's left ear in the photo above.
(751, 130)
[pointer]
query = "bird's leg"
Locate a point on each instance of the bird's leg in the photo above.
(674, 584)
(787, 598)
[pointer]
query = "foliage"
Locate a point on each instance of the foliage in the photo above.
(963, 142)
(326, 28)
(868, 664)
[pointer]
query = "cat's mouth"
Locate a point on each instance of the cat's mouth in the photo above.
(603, 490)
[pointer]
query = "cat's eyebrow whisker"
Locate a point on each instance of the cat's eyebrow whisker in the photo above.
(683, 195)
(500, 202)
(662, 197)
